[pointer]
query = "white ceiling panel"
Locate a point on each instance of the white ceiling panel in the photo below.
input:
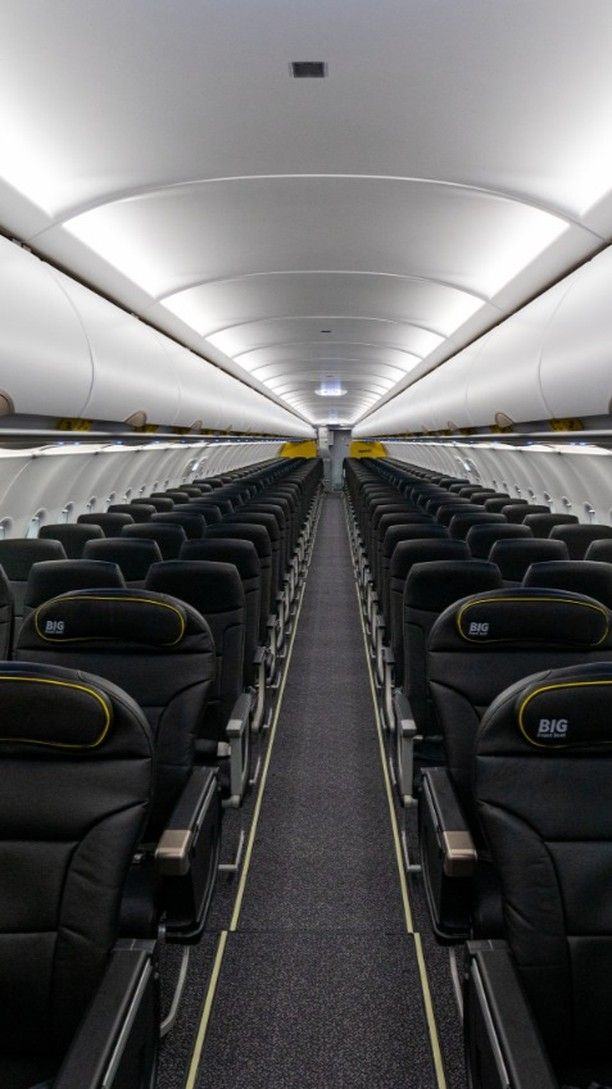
(454, 160)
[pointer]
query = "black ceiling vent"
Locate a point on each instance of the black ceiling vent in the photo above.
(308, 69)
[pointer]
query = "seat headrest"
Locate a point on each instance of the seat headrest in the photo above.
(17, 554)
(433, 586)
(513, 557)
(541, 524)
(168, 538)
(579, 576)
(53, 577)
(210, 587)
(481, 538)
(133, 556)
(526, 617)
(460, 524)
(258, 535)
(49, 712)
(578, 538)
(515, 512)
(193, 524)
(112, 619)
(600, 550)
(160, 503)
(407, 553)
(395, 533)
(73, 537)
(109, 523)
(242, 554)
(557, 711)
(142, 511)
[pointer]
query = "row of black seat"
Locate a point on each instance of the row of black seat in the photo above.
(128, 711)
(497, 698)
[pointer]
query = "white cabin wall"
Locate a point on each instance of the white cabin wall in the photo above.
(572, 479)
(44, 482)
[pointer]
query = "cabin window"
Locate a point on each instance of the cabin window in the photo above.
(64, 514)
(90, 504)
(5, 526)
(127, 495)
(590, 511)
(567, 503)
(35, 523)
(110, 498)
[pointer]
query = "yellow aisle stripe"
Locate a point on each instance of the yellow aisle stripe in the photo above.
(206, 1010)
(214, 978)
(423, 978)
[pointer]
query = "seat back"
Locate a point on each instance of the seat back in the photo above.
(76, 762)
(72, 537)
(461, 524)
(578, 538)
(600, 551)
(132, 555)
(579, 576)
(159, 503)
(110, 524)
(243, 556)
(484, 643)
(514, 557)
(155, 648)
(394, 535)
(17, 555)
(430, 588)
(543, 789)
(259, 538)
(140, 512)
(405, 555)
(193, 524)
(215, 590)
(541, 524)
(481, 538)
(7, 616)
(169, 539)
(53, 577)
(516, 512)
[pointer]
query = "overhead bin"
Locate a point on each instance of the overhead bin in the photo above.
(67, 352)
(550, 360)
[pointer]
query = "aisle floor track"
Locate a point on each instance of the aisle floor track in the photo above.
(318, 979)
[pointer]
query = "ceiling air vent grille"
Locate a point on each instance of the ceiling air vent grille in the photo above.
(308, 69)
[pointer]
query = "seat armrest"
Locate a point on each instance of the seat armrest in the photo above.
(501, 1035)
(116, 1041)
(239, 718)
(388, 656)
(174, 849)
(260, 656)
(458, 851)
(403, 715)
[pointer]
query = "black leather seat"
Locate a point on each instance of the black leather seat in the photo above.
(477, 648)
(7, 616)
(578, 538)
(578, 576)
(429, 589)
(517, 512)
(132, 555)
(515, 557)
(76, 758)
(193, 524)
(481, 538)
(215, 590)
(541, 524)
(158, 503)
(169, 539)
(243, 556)
(110, 524)
(72, 537)
(600, 551)
(17, 555)
(460, 524)
(161, 652)
(258, 536)
(538, 1003)
(53, 577)
(140, 512)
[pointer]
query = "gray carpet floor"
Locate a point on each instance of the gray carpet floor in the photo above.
(319, 984)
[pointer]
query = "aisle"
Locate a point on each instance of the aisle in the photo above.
(319, 983)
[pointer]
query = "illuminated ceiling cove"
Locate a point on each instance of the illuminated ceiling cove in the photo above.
(339, 233)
